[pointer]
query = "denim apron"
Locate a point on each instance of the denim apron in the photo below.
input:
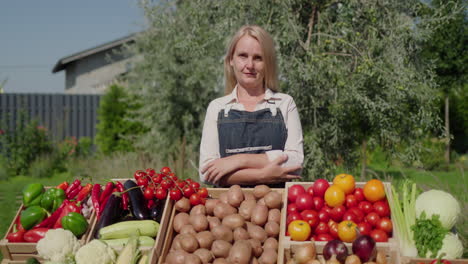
(255, 132)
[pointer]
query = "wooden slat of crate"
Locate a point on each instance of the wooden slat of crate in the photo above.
(390, 248)
(155, 251)
(213, 192)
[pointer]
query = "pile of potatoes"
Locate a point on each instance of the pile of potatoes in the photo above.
(241, 227)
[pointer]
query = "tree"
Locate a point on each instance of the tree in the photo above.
(350, 66)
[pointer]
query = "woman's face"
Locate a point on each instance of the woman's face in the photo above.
(248, 63)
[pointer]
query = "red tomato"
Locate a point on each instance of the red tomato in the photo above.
(195, 185)
(139, 174)
(372, 218)
(166, 184)
(365, 206)
(359, 194)
(333, 228)
(157, 178)
(323, 216)
(323, 237)
(360, 215)
(292, 208)
(143, 181)
(382, 208)
(350, 216)
(442, 261)
(188, 191)
(165, 170)
(311, 217)
(148, 193)
(160, 193)
(337, 213)
(203, 192)
(351, 201)
(385, 224)
(151, 172)
(322, 228)
(181, 183)
(318, 203)
(304, 202)
(294, 191)
(310, 191)
(379, 235)
(195, 199)
(327, 209)
(292, 217)
(364, 228)
(320, 186)
(175, 194)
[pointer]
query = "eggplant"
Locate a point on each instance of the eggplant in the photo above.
(156, 211)
(112, 213)
(137, 201)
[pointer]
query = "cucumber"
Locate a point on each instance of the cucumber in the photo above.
(143, 241)
(126, 229)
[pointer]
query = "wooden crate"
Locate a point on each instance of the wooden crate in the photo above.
(406, 260)
(213, 192)
(22, 251)
(390, 248)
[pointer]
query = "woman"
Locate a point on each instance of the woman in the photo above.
(252, 135)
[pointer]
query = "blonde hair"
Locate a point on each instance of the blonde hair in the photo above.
(269, 57)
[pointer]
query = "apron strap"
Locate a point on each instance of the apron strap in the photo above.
(272, 106)
(227, 108)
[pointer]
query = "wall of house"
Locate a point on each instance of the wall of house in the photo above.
(92, 74)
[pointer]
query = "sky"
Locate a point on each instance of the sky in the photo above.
(34, 35)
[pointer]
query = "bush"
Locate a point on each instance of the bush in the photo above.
(432, 155)
(44, 166)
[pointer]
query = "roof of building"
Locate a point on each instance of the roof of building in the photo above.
(62, 63)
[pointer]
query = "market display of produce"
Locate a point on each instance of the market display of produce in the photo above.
(155, 217)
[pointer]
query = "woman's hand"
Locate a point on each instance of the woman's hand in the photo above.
(274, 173)
(217, 168)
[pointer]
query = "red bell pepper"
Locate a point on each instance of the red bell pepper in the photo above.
(18, 224)
(16, 236)
(63, 186)
(84, 192)
(35, 234)
(68, 208)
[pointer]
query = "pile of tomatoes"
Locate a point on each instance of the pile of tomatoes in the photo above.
(166, 183)
(340, 210)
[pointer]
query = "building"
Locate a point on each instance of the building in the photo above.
(92, 70)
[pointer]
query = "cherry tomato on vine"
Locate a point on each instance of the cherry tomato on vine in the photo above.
(142, 181)
(139, 174)
(203, 192)
(160, 193)
(157, 178)
(175, 194)
(188, 191)
(148, 193)
(195, 185)
(166, 184)
(181, 183)
(195, 199)
(165, 170)
(151, 172)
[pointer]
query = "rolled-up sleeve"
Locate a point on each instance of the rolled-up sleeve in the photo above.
(209, 146)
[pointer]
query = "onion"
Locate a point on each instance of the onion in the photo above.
(304, 252)
(352, 259)
(335, 247)
(364, 248)
(333, 260)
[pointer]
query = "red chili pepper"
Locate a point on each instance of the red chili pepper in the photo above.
(150, 203)
(63, 186)
(68, 208)
(74, 192)
(74, 185)
(84, 192)
(16, 237)
(18, 225)
(35, 234)
(95, 193)
(52, 219)
(121, 188)
(106, 193)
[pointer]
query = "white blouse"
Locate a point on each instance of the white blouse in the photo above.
(209, 147)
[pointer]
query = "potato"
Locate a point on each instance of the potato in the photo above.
(220, 261)
(261, 201)
(269, 256)
(188, 243)
(240, 234)
(176, 257)
(246, 207)
(204, 254)
(240, 253)
(259, 215)
(188, 229)
(198, 209)
(192, 259)
(273, 200)
(222, 210)
(183, 205)
(235, 195)
(213, 221)
(260, 191)
(253, 260)
(222, 233)
(205, 239)
(221, 248)
(223, 197)
(249, 196)
(257, 232)
(271, 242)
(210, 205)
(199, 222)
(180, 220)
(274, 215)
(233, 221)
(257, 249)
(176, 243)
(272, 229)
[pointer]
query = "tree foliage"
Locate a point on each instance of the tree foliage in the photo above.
(350, 65)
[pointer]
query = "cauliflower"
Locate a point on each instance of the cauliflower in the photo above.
(95, 252)
(58, 245)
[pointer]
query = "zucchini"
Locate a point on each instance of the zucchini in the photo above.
(126, 229)
(143, 241)
(143, 260)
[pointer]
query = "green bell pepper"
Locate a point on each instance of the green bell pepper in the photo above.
(75, 222)
(32, 194)
(52, 199)
(32, 216)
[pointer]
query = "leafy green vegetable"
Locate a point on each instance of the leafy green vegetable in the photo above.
(428, 235)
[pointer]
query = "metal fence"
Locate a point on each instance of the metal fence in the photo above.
(64, 115)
